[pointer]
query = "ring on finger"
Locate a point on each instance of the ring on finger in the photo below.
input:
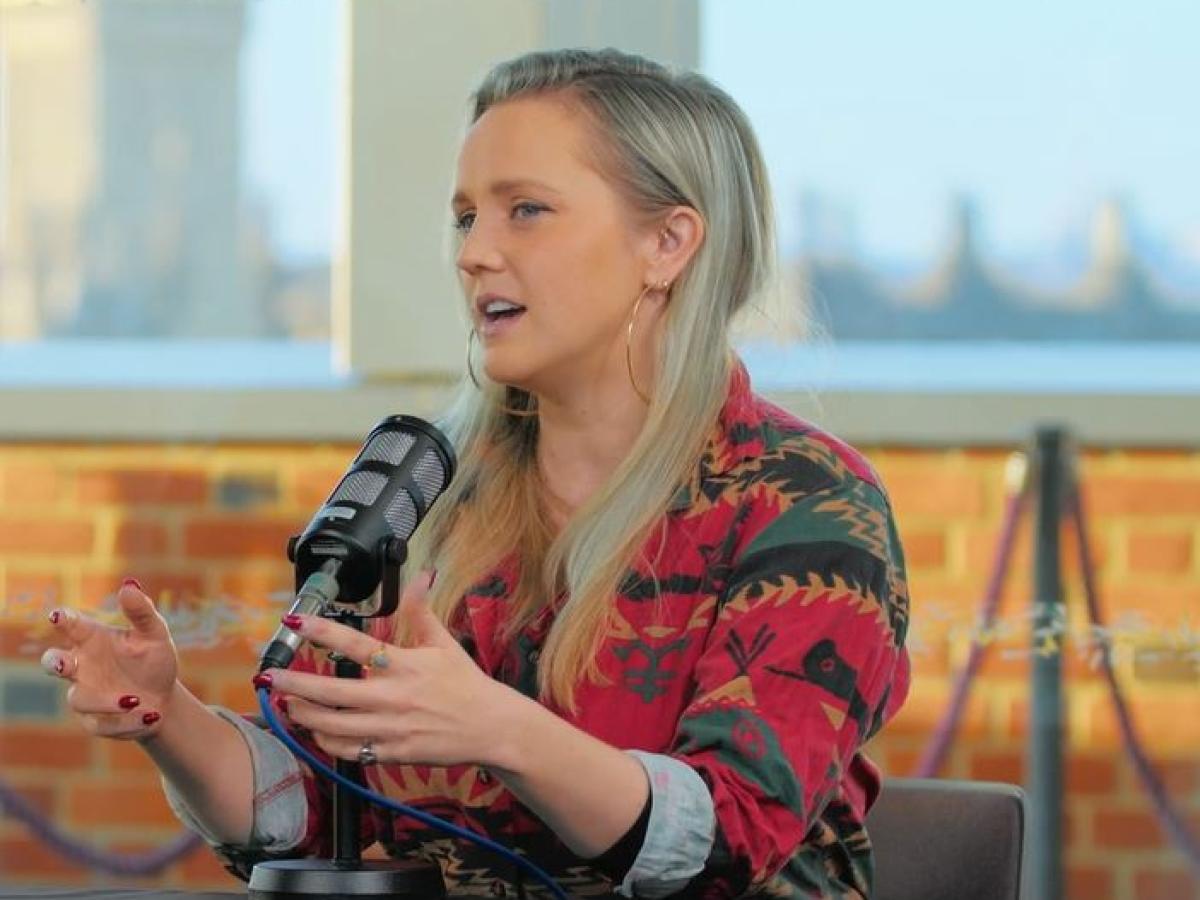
(379, 658)
(366, 754)
(55, 664)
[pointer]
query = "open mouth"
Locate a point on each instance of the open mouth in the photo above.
(501, 310)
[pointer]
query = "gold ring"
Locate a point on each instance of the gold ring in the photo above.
(379, 659)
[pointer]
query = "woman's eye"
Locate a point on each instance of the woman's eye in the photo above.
(464, 222)
(527, 210)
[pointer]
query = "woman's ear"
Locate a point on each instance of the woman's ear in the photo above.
(679, 235)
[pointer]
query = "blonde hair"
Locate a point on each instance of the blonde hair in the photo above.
(667, 139)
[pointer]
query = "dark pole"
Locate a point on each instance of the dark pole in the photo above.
(346, 806)
(1045, 778)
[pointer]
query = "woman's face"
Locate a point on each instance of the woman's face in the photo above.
(551, 260)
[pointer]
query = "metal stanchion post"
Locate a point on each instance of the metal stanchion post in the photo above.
(1045, 749)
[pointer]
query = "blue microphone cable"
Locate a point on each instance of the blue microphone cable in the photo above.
(264, 704)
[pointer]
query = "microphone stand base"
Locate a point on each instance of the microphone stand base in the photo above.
(301, 879)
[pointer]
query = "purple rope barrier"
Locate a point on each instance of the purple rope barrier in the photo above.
(149, 863)
(934, 755)
(1167, 814)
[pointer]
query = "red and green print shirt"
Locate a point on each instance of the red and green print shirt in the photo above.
(763, 650)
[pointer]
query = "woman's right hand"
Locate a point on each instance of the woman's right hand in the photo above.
(122, 677)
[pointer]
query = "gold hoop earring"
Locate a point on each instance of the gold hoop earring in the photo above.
(519, 413)
(661, 286)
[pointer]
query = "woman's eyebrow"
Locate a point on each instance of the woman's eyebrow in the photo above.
(506, 186)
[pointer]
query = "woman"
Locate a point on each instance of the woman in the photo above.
(667, 614)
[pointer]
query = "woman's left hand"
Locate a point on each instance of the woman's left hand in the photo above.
(424, 703)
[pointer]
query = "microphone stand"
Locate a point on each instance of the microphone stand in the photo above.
(347, 875)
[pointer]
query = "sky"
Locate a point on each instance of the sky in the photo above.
(1039, 111)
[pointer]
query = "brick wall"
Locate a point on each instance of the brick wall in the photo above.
(204, 527)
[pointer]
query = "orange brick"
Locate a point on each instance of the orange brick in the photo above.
(982, 545)
(900, 763)
(924, 549)
(233, 651)
(97, 804)
(1180, 777)
(998, 765)
(1165, 884)
(30, 484)
(934, 491)
(926, 706)
(1006, 661)
(238, 695)
(27, 858)
(1091, 774)
(1162, 553)
(1163, 724)
(1141, 495)
(311, 486)
(258, 588)
(44, 747)
(23, 640)
(128, 758)
(1122, 829)
(35, 590)
(1089, 882)
(40, 797)
(162, 586)
(238, 538)
(66, 537)
(1163, 606)
(136, 538)
(148, 486)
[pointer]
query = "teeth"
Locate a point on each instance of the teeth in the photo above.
(498, 306)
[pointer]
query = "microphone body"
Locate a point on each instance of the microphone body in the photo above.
(360, 534)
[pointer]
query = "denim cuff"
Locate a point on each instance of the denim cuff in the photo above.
(680, 833)
(280, 803)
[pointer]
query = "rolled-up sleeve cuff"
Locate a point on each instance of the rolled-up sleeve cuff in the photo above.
(280, 803)
(680, 832)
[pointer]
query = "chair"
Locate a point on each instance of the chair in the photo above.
(938, 839)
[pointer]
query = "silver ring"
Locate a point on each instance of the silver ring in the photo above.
(366, 755)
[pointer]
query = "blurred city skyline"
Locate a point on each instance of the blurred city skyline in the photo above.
(1046, 123)
(1039, 114)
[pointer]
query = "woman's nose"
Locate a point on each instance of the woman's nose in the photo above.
(479, 249)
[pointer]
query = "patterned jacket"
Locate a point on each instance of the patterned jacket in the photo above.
(765, 649)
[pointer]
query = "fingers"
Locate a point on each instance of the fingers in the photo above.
(321, 689)
(128, 726)
(321, 719)
(87, 701)
(331, 635)
(139, 610)
(70, 627)
(421, 627)
(60, 663)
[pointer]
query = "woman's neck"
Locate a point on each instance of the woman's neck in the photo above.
(581, 442)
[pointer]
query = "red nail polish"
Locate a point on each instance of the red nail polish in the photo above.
(128, 702)
(262, 679)
(292, 621)
(55, 616)
(150, 718)
(133, 582)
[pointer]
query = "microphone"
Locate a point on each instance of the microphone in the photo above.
(364, 525)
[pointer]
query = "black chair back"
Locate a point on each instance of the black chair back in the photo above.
(944, 839)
